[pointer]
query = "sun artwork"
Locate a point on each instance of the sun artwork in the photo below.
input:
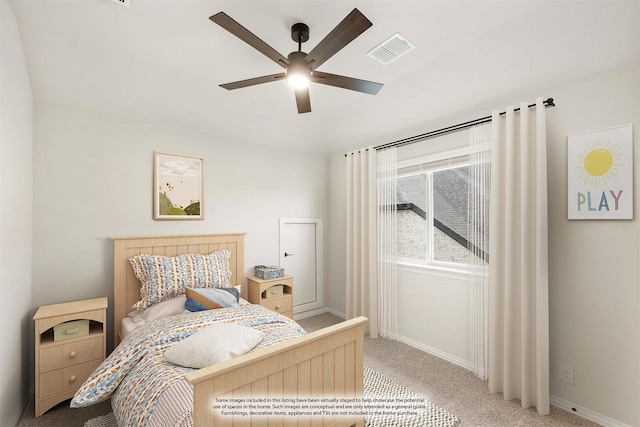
(598, 166)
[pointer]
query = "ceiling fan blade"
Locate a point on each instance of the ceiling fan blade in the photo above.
(303, 101)
(344, 82)
(226, 22)
(344, 33)
(254, 81)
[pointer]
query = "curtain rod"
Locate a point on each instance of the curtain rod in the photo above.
(547, 103)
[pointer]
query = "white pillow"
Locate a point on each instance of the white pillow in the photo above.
(214, 344)
(166, 308)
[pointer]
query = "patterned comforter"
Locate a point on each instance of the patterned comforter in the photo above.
(147, 390)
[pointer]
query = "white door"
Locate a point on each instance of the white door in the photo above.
(301, 257)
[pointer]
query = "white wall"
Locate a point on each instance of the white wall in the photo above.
(594, 287)
(16, 124)
(93, 179)
(594, 265)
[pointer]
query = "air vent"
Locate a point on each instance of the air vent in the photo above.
(122, 2)
(391, 49)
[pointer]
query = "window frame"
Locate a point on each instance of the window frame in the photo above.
(429, 164)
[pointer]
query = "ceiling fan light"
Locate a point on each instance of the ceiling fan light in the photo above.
(298, 71)
(298, 80)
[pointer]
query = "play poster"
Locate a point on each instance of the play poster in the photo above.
(600, 173)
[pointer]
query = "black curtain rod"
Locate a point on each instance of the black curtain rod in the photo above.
(454, 128)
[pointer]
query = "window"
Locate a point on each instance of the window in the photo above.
(436, 223)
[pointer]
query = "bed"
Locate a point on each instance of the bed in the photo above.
(326, 364)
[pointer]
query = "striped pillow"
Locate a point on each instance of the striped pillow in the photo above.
(164, 277)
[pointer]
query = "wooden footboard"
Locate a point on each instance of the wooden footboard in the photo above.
(326, 364)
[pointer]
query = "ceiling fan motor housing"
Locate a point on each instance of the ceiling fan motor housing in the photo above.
(298, 64)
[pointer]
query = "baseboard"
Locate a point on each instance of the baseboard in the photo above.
(305, 314)
(434, 351)
(32, 398)
(585, 413)
(336, 313)
(315, 312)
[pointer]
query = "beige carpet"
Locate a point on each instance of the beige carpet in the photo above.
(62, 415)
(448, 386)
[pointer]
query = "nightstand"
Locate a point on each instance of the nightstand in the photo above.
(259, 290)
(63, 365)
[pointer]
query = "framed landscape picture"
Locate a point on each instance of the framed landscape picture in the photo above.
(600, 172)
(178, 186)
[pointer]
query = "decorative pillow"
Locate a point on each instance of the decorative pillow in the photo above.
(241, 301)
(166, 308)
(164, 277)
(214, 344)
(211, 298)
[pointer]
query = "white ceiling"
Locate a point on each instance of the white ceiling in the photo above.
(163, 60)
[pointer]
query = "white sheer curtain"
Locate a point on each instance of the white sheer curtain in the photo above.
(518, 268)
(371, 239)
(362, 291)
(478, 235)
(387, 242)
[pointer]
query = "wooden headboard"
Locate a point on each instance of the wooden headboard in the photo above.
(126, 287)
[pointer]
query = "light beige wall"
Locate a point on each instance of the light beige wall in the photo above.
(594, 287)
(335, 293)
(594, 265)
(93, 179)
(16, 124)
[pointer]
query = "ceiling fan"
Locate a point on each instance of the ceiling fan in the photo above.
(300, 67)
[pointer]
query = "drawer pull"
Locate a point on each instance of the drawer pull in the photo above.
(278, 307)
(72, 331)
(72, 378)
(72, 354)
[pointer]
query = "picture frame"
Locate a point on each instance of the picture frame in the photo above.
(600, 174)
(178, 186)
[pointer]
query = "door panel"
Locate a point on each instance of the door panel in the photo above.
(301, 258)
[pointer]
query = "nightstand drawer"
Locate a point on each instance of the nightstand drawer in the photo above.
(281, 305)
(67, 379)
(73, 353)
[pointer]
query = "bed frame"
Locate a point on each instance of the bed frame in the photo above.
(325, 363)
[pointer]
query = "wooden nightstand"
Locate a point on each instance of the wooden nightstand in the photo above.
(282, 304)
(62, 366)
